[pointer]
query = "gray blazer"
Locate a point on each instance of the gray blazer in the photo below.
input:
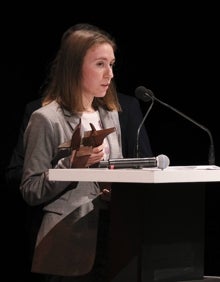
(66, 241)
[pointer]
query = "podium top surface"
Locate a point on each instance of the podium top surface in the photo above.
(172, 174)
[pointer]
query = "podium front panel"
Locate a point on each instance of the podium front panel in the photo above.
(157, 232)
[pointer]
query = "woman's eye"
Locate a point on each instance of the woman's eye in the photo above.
(100, 63)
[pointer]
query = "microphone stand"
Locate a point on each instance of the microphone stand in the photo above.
(140, 126)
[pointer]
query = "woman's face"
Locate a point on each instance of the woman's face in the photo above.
(97, 70)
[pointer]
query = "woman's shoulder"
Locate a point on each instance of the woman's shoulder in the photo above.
(51, 111)
(51, 108)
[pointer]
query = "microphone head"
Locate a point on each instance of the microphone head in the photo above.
(162, 161)
(144, 94)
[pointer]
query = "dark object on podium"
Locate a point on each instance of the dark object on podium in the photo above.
(83, 145)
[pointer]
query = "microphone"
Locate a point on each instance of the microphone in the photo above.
(146, 95)
(161, 161)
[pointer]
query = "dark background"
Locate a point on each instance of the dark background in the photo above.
(171, 49)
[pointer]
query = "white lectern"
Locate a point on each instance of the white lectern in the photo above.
(157, 220)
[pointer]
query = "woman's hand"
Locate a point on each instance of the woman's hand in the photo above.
(86, 156)
(105, 191)
(96, 156)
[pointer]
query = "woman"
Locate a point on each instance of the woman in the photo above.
(80, 91)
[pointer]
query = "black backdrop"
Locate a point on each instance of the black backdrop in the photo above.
(173, 50)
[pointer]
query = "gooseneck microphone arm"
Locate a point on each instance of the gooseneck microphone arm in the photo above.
(140, 126)
(146, 94)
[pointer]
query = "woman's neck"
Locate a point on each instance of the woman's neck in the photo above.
(89, 110)
(87, 104)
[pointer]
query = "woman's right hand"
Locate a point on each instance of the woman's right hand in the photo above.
(96, 156)
(86, 156)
